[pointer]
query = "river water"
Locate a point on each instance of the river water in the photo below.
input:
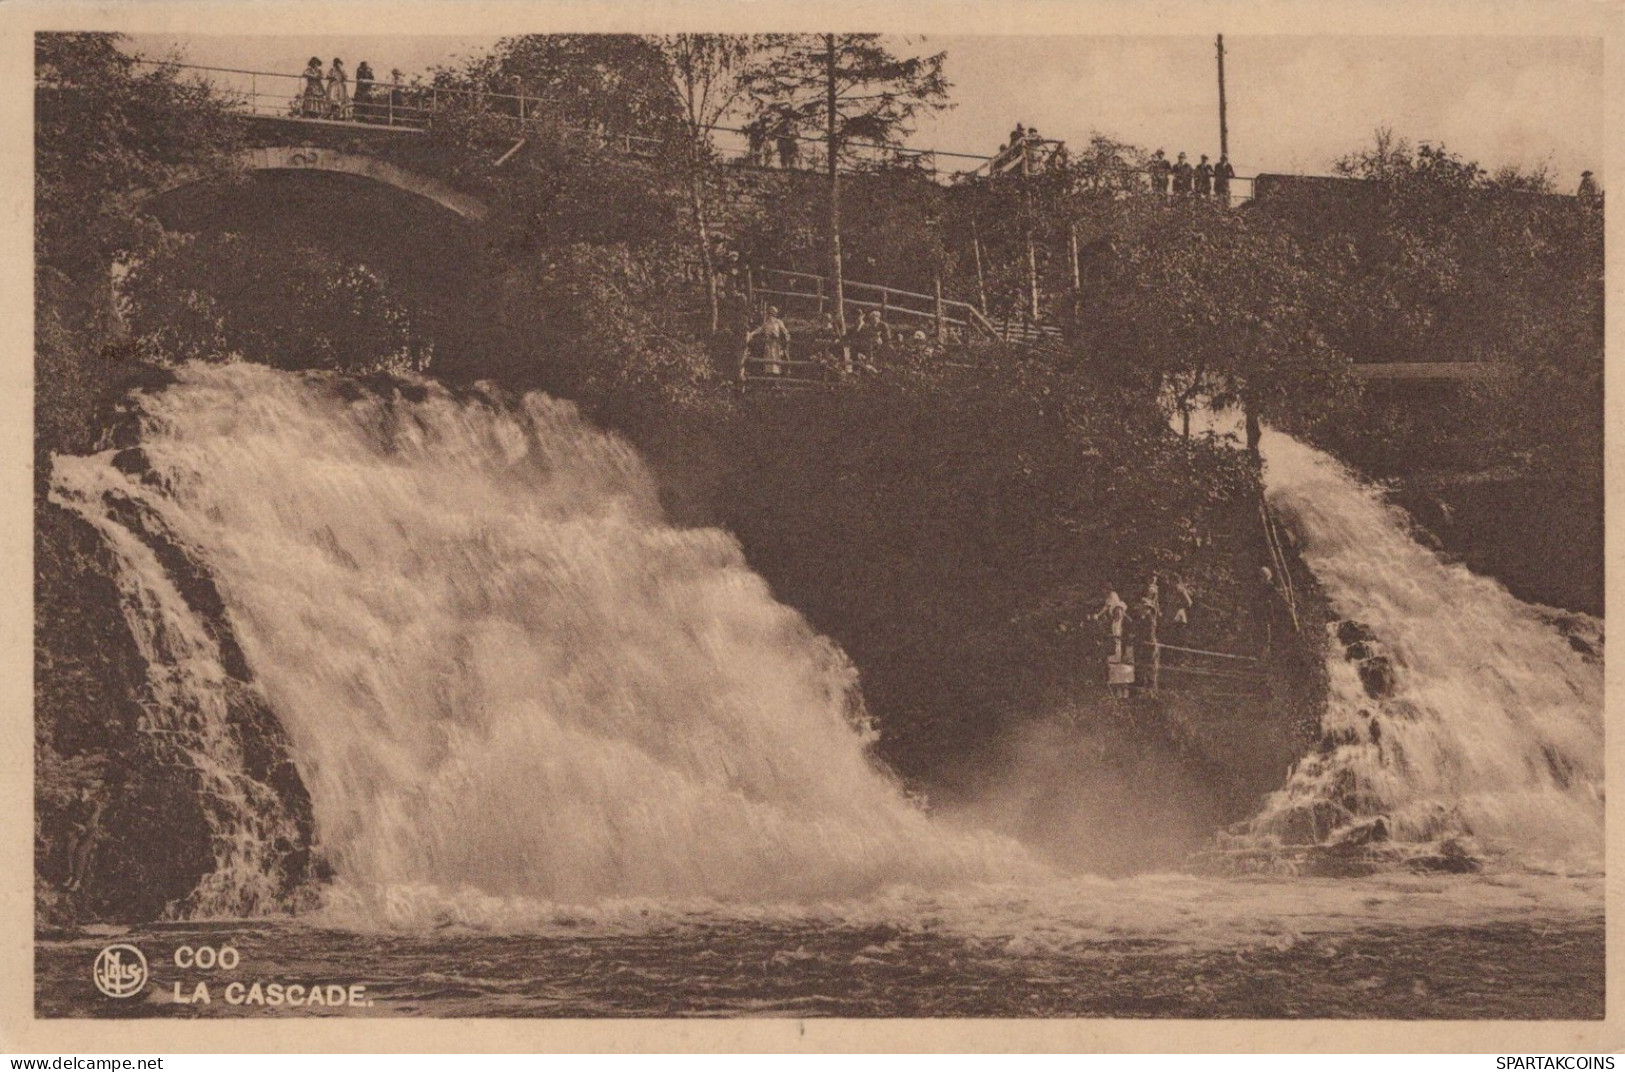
(569, 760)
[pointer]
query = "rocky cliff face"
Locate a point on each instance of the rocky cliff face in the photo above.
(122, 829)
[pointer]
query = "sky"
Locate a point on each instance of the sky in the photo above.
(1295, 103)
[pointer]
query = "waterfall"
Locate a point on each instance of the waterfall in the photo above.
(1481, 726)
(499, 669)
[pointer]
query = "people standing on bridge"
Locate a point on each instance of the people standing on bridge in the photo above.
(1222, 174)
(1161, 172)
(787, 140)
(1147, 615)
(1183, 175)
(338, 90)
(1204, 178)
(365, 110)
(313, 103)
(397, 97)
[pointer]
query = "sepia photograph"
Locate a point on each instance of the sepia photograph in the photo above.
(970, 520)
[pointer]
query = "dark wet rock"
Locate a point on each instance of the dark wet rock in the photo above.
(1375, 729)
(138, 463)
(1353, 632)
(1311, 824)
(1359, 651)
(1331, 740)
(98, 765)
(1452, 858)
(95, 767)
(1368, 832)
(1377, 675)
(132, 460)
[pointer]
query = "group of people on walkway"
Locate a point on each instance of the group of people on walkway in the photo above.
(326, 94)
(1128, 628)
(1013, 153)
(778, 131)
(1182, 179)
(866, 344)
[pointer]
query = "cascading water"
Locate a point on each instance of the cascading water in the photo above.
(500, 670)
(1488, 734)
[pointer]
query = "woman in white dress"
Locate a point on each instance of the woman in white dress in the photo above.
(338, 91)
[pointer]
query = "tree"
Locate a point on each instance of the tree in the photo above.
(1446, 260)
(860, 93)
(709, 74)
(1220, 310)
(600, 83)
(107, 131)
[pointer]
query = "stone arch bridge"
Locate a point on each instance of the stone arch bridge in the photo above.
(319, 158)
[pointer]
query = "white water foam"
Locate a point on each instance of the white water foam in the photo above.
(504, 674)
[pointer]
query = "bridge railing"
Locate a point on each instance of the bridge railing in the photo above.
(403, 105)
(1214, 674)
(1283, 570)
(816, 293)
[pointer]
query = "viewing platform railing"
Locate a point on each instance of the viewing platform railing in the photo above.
(817, 294)
(410, 106)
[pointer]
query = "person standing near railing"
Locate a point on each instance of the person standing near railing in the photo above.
(787, 140)
(1222, 174)
(1160, 171)
(397, 97)
(1184, 176)
(775, 338)
(1115, 613)
(365, 110)
(313, 104)
(338, 91)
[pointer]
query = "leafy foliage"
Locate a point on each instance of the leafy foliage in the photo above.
(610, 323)
(1443, 260)
(614, 83)
(107, 129)
(218, 297)
(1219, 309)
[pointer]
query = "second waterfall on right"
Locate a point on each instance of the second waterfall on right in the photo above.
(1463, 726)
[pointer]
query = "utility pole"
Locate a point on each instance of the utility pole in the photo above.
(834, 192)
(1027, 228)
(1224, 129)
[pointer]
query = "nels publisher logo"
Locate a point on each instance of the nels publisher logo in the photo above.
(120, 971)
